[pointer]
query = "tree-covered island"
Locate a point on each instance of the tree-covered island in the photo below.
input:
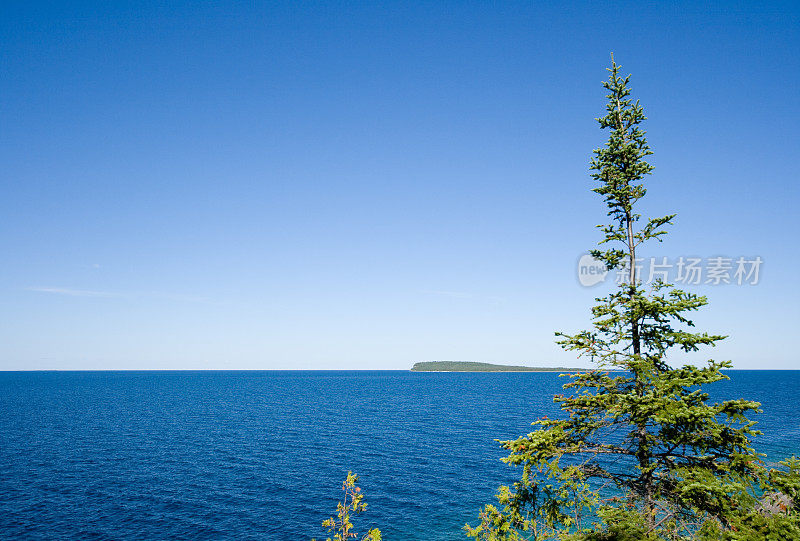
(468, 366)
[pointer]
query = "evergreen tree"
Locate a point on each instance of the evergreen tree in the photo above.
(640, 451)
(341, 526)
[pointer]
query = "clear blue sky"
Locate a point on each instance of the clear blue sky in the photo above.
(355, 185)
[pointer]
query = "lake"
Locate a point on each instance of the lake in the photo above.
(262, 455)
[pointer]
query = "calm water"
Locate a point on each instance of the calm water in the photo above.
(261, 455)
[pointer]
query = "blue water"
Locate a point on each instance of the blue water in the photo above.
(261, 455)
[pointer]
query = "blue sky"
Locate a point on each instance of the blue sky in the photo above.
(363, 185)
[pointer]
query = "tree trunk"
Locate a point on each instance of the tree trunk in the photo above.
(642, 454)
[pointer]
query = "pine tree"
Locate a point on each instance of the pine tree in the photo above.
(640, 451)
(341, 526)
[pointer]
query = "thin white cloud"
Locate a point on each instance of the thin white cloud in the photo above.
(72, 292)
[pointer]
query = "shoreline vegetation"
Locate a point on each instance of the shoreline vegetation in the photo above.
(468, 366)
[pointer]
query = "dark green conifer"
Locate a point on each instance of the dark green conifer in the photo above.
(639, 452)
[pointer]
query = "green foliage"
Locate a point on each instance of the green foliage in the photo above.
(353, 504)
(775, 517)
(639, 451)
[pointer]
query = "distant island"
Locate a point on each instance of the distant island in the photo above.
(465, 366)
